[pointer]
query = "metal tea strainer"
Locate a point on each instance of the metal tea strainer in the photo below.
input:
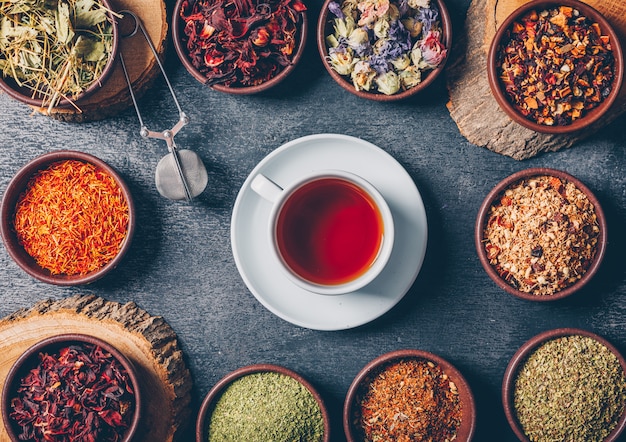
(181, 173)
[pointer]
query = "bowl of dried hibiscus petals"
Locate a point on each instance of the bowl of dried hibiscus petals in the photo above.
(240, 47)
(67, 218)
(541, 234)
(71, 387)
(384, 50)
(555, 66)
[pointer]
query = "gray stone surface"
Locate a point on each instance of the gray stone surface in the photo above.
(181, 266)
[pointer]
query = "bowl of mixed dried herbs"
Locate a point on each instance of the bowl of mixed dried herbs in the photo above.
(241, 47)
(555, 66)
(409, 395)
(53, 54)
(71, 387)
(566, 384)
(67, 218)
(541, 234)
(260, 403)
(384, 50)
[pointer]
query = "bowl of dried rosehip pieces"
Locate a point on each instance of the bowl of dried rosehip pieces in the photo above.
(541, 234)
(71, 387)
(555, 66)
(240, 47)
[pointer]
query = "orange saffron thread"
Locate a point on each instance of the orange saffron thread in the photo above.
(72, 218)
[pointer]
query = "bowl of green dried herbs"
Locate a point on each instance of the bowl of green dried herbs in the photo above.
(263, 402)
(409, 395)
(53, 54)
(555, 66)
(242, 47)
(71, 387)
(566, 384)
(541, 234)
(384, 50)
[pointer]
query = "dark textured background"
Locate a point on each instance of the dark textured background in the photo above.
(180, 265)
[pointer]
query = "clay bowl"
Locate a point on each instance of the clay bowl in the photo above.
(325, 28)
(359, 386)
(502, 37)
(494, 197)
(25, 95)
(208, 404)
(15, 189)
(179, 38)
(519, 358)
(51, 345)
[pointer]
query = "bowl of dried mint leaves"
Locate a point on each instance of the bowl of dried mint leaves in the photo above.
(53, 54)
(540, 234)
(555, 66)
(566, 384)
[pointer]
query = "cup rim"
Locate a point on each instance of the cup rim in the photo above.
(483, 213)
(61, 340)
(203, 415)
(510, 374)
(385, 250)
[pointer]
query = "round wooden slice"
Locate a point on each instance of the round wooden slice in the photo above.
(471, 99)
(114, 97)
(147, 341)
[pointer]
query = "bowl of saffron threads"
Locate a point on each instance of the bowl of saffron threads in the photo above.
(566, 384)
(409, 395)
(67, 218)
(242, 47)
(387, 50)
(71, 387)
(263, 402)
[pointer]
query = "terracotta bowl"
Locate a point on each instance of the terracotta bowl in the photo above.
(208, 404)
(502, 37)
(325, 28)
(519, 358)
(51, 345)
(23, 94)
(494, 196)
(178, 26)
(17, 186)
(361, 382)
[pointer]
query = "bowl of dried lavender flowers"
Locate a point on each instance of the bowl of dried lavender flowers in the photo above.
(409, 395)
(71, 387)
(566, 384)
(56, 56)
(241, 47)
(555, 66)
(541, 234)
(384, 50)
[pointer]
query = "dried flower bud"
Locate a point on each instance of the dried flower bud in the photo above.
(357, 38)
(432, 50)
(388, 83)
(336, 9)
(260, 37)
(401, 62)
(344, 27)
(363, 76)
(416, 4)
(410, 77)
(372, 10)
(342, 61)
(381, 28)
(413, 26)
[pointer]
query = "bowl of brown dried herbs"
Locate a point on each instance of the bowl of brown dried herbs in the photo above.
(555, 66)
(384, 50)
(263, 402)
(409, 395)
(566, 384)
(53, 54)
(71, 387)
(241, 47)
(541, 234)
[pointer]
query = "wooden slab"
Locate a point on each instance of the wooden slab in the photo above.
(114, 97)
(471, 103)
(148, 341)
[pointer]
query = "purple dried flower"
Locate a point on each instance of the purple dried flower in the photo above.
(428, 16)
(336, 10)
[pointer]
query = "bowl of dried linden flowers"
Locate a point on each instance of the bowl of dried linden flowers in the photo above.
(555, 66)
(384, 50)
(541, 234)
(55, 56)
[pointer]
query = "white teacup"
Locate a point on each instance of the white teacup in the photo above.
(331, 231)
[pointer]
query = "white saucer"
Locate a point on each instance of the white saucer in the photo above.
(265, 279)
